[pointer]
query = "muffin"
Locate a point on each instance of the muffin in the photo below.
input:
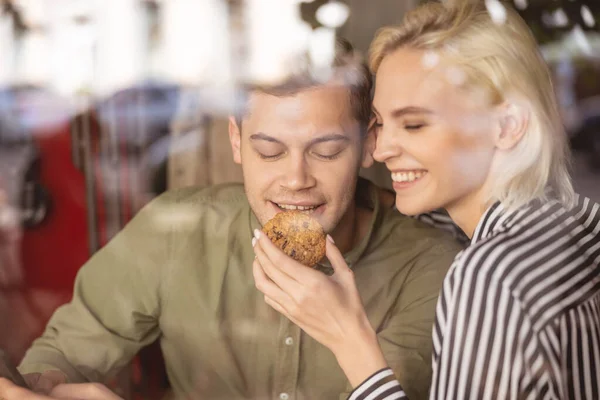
(298, 235)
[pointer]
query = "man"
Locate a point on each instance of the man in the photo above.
(67, 391)
(181, 271)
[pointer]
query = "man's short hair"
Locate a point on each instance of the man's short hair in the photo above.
(347, 69)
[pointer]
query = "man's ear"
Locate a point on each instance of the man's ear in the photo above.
(369, 147)
(513, 121)
(235, 139)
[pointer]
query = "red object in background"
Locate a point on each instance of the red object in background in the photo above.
(53, 252)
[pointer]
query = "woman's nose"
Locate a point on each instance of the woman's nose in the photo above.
(385, 146)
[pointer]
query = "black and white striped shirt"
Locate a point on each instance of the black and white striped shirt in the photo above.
(519, 312)
(441, 220)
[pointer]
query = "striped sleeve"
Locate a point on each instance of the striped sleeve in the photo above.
(480, 336)
(382, 385)
(519, 312)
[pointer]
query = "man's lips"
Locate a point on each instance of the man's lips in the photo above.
(300, 206)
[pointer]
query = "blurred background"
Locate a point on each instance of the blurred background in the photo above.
(104, 104)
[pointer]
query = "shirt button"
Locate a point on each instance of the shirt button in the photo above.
(289, 341)
(284, 396)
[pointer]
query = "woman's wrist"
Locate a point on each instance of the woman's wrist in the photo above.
(360, 356)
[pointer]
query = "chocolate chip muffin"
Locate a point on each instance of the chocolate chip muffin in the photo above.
(298, 235)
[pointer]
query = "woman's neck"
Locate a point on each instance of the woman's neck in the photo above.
(467, 212)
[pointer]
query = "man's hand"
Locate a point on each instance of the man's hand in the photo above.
(79, 391)
(45, 382)
(83, 391)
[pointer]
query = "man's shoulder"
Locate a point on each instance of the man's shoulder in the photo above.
(192, 206)
(227, 195)
(419, 234)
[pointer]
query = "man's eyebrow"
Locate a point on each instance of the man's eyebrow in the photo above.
(331, 137)
(263, 136)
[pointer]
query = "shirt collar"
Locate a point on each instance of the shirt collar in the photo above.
(497, 219)
(370, 195)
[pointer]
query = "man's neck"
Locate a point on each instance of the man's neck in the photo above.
(352, 228)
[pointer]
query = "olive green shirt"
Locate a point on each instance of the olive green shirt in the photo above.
(181, 272)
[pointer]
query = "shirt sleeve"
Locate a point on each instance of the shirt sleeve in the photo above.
(115, 305)
(382, 385)
(480, 335)
(405, 339)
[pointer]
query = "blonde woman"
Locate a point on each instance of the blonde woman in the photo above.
(467, 121)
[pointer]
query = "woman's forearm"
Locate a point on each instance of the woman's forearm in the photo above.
(360, 355)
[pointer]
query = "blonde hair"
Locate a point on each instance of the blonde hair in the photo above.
(502, 58)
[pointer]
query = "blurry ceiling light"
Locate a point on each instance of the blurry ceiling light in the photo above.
(587, 16)
(322, 47)
(69, 9)
(560, 18)
(581, 40)
(277, 39)
(496, 10)
(33, 11)
(333, 14)
(557, 19)
(521, 4)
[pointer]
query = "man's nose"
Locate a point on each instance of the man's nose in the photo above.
(298, 174)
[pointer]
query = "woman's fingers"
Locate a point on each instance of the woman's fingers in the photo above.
(276, 306)
(282, 261)
(335, 257)
(287, 283)
(283, 311)
(267, 286)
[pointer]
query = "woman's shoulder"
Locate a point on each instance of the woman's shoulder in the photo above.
(533, 252)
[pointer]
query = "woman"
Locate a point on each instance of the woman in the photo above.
(467, 121)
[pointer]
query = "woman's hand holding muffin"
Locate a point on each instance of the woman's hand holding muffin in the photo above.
(328, 308)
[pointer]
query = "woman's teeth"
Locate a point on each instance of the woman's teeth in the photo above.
(409, 176)
(292, 207)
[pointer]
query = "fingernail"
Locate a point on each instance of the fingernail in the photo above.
(253, 242)
(330, 239)
(257, 234)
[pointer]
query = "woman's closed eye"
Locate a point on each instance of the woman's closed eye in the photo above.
(414, 126)
(376, 124)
